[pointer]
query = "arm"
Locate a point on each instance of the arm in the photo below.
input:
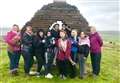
(51, 27)
(68, 53)
(100, 40)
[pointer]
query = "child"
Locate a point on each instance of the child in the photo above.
(13, 41)
(63, 57)
(49, 54)
(27, 49)
(39, 48)
(84, 45)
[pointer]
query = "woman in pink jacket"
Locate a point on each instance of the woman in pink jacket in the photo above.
(13, 41)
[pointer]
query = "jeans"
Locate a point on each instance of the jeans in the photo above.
(40, 60)
(49, 56)
(28, 60)
(95, 60)
(82, 65)
(14, 60)
(74, 56)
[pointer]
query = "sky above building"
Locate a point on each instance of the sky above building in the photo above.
(104, 14)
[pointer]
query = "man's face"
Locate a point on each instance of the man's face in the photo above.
(74, 33)
(56, 27)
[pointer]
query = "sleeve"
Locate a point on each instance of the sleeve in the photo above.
(99, 40)
(68, 51)
(10, 39)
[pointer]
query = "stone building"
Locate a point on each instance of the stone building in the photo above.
(59, 10)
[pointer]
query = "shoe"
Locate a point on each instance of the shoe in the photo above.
(38, 74)
(14, 73)
(64, 77)
(61, 76)
(95, 76)
(49, 76)
(27, 74)
(32, 73)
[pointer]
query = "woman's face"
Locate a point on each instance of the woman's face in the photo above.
(41, 33)
(15, 28)
(62, 34)
(29, 29)
(92, 30)
(82, 35)
(48, 34)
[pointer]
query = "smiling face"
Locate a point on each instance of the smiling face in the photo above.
(56, 27)
(82, 35)
(92, 29)
(15, 28)
(29, 29)
(48, 34)
(41, 34)
(62, 34)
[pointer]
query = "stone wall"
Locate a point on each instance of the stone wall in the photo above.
(50, 13)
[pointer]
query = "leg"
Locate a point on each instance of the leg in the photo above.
(39, 61)
(17, 58)
(28, 61)
(11, 58)
(59, 65)
(82, 65)
(96, 59)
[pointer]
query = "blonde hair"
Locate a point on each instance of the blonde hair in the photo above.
(93, 28)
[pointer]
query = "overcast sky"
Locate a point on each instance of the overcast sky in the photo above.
(104, 14)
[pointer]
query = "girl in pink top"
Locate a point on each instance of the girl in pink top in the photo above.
(13, 41)
(84, 44)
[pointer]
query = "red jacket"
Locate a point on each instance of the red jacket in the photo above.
(11, 40)
(96, 43)
(63, 55)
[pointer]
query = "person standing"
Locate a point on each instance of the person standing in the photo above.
(27, 49)
(84, 46)
(14, 52)
(39, 49)
(95, 50)
(64, 55)
(49, 54)
(74, 51)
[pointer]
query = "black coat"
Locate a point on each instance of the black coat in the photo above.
(39, 44)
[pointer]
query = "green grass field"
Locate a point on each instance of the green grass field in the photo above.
(110, 66)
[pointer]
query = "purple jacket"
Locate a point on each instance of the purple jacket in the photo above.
(11, 39)
(95, 43)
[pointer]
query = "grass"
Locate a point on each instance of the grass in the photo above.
(110, 72)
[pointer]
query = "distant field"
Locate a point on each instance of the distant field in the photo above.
(110, 36)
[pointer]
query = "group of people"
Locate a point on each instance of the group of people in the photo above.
(63, 48)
